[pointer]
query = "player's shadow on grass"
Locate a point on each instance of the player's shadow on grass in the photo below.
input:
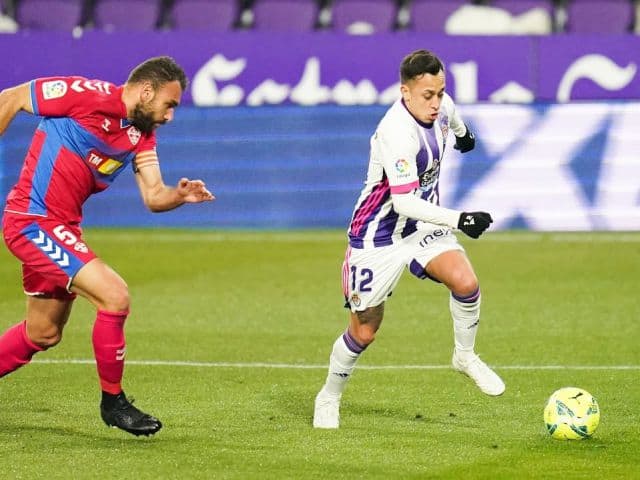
(96, 437)
(298, 408)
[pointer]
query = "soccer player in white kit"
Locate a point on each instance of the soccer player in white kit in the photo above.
(397, 222)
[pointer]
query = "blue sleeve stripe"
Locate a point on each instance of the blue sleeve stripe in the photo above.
(34, 102)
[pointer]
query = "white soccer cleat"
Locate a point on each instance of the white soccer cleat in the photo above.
(327, 410)
(486, 379)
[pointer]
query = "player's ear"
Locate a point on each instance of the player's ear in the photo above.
(404, 91)
(146, 93)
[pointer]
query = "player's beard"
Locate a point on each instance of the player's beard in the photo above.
(143, 120)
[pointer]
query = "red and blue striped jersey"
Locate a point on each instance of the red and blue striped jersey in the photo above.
(81, 145)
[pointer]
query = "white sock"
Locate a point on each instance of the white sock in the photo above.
(465, 312)
(341, 364)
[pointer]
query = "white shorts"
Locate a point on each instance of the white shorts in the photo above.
(369, 275)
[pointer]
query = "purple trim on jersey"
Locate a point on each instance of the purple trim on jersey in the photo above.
(472, 298)
(422, 159)
(409, 228)
(422, 162)
(367, 211)
(52, 248)
(433, 142)
(417, 269)
(387, 225)
(352, 344)
(34, 98)
(426, 194)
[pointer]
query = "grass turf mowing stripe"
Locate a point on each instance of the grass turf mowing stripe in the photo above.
(294, 366)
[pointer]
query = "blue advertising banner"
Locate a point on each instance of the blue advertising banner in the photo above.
(540, 167)
(254, 68)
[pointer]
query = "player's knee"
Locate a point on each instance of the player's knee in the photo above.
(117, 300)
(364, 335)
(464, 284)
(45, 337)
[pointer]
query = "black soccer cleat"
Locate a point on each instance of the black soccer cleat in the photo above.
(118, 411)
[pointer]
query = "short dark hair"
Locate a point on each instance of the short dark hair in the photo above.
(158, 71)
(418, 63)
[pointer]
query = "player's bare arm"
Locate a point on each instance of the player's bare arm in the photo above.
(13, 100)
(159, 197)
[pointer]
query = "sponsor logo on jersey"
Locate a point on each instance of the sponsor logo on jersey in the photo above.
(105, 166)
(434, 236)
(402, 166)
(429, 177)
(54, 89)
(134, 135)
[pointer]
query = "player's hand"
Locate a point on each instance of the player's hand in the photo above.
(474, 223)
(194, 191)
(466, 143)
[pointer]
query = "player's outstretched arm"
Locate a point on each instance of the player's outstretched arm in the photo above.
(159, 197)
(472, 224)
(12, 100)
(193, 191)
(465, 143)
(412, 206)
(465, 139)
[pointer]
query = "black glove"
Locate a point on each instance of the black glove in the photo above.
(474, 223)
(466, 143)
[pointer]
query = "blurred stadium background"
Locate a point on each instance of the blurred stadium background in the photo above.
(230, 331)
(550, 87)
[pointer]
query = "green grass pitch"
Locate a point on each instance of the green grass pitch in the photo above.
(228, 342)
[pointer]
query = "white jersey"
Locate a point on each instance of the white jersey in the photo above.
(406, 155)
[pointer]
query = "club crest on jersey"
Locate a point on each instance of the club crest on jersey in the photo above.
(105, 166)
(355, 300)
(134, 135)
(54, 89)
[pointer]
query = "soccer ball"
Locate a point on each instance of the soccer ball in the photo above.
(571, 414)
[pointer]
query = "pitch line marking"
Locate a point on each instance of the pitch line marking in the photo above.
(298, 366)
(336, 235)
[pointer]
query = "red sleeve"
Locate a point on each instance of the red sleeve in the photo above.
(147, 143)
(66, 96)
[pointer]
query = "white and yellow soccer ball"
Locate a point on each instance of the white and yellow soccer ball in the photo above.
(571, 413)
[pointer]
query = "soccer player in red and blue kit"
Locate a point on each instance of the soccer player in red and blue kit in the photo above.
(91, 132)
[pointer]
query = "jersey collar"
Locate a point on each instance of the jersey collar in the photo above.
(419, 122)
